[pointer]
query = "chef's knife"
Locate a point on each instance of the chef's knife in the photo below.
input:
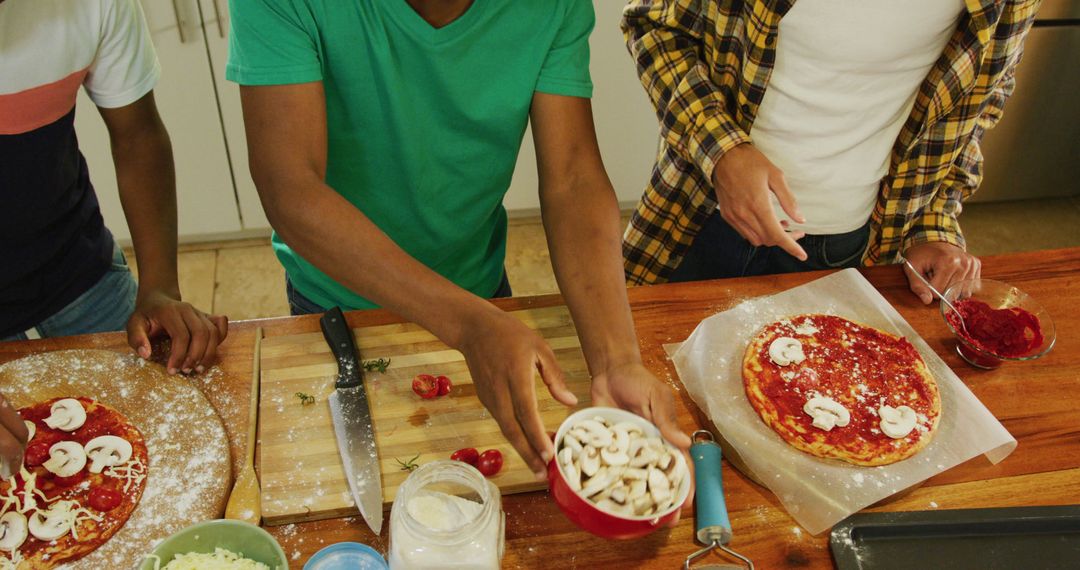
(352, 421)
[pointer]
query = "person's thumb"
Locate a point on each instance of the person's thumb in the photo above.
(138, 335)
(921, 290)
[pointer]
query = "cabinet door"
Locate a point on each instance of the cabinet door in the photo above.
(187, 102)
(216, 18)
(625, 120)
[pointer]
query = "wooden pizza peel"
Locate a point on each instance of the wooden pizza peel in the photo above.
(190, 470)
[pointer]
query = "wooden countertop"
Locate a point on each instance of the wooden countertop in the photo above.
(1036, 401)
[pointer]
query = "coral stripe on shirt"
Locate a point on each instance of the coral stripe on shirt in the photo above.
(39, 106)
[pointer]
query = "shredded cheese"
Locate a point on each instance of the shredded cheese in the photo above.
(220, 559)
(13, 562)
(133, 472)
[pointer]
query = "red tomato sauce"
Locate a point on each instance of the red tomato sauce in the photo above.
(1011, 332)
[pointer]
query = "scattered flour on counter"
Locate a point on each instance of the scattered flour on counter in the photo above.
(933, 505)
(185, 441)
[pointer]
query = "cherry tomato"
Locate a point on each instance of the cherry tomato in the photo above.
(468, 455)
(444, 385)
(490, 463)
(36, 454)
(425, 386)
(104, 498)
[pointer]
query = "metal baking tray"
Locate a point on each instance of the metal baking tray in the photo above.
(1020, 538)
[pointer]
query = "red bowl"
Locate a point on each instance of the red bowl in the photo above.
(588, 516)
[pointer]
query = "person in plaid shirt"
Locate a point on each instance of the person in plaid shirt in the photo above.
(816, 134)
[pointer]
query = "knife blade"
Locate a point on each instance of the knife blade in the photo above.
(351, 417)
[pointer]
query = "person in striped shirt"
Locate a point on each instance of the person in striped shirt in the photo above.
(63, 273)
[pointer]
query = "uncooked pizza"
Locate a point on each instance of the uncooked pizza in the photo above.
(838, 389)
(83, 474)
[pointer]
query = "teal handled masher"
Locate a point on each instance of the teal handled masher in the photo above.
(712, 523)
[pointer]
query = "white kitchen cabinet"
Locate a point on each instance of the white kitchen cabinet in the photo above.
(232, 117)
(187, 101)
(626, 123)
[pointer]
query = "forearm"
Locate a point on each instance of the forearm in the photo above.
(147, 185)
(585, 239)
(340, 240)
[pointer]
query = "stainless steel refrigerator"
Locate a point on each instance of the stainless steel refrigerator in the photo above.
(1034, 152)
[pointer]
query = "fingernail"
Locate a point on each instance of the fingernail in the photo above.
(144, 352)
(200, 369)
(540, 475)
(187, 371)
(547, 455)
(172, 371)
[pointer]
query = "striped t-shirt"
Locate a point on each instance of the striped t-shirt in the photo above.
(53, 241)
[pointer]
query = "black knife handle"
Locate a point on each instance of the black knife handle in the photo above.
(338, 335)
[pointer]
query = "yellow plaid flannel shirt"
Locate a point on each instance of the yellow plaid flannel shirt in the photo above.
(706, 64)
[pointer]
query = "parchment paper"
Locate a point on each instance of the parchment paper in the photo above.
(818, 493)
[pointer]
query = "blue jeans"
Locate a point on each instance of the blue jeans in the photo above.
(301, 305)
(718, 251)
(105, 307)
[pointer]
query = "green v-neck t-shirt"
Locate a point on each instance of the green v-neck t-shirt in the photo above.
(424, 124)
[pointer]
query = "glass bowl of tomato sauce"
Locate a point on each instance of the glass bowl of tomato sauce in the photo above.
(1001, 323)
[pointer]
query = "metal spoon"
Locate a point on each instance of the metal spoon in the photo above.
(959, 315)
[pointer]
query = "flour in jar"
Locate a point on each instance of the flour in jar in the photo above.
(440, 511)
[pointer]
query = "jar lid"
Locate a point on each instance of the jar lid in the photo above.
(347, 556)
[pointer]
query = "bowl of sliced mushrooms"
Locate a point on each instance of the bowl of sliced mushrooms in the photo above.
(614, 476)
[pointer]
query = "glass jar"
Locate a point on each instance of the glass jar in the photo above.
(455, 519)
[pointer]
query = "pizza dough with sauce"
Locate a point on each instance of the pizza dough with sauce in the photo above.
(854, 366)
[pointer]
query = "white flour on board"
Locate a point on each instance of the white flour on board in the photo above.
(187, 446)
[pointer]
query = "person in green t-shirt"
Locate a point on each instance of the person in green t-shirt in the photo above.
(383, 136)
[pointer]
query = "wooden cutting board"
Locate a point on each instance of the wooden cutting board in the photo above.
(300, 470)
(190, 470)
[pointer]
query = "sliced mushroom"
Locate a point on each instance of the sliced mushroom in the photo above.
(620, 494)
(566, 457)
(644, 457)
(599, 434)
(642, 504)
(629, 427)
(596, 484)
(602, 421)
(573, 476)
(13, 531)
(617, 452)
(659, 486)
(107, 451)
(579, 433)
(31, 428)
(635, 473)
(66, 458)
(590, 461)
(51, 524)
(638, 489)
(573, 443)
(665, 461)
(67, 415)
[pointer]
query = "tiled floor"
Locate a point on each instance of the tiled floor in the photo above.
(243, 279)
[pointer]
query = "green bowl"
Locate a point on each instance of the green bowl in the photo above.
(239, 537)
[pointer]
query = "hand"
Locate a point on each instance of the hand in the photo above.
(504, 356)
(13, 436)
(743, 178)
(195, 335)
(942, 264)
(634, 389)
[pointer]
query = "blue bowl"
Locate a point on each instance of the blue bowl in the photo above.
(347, 556)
